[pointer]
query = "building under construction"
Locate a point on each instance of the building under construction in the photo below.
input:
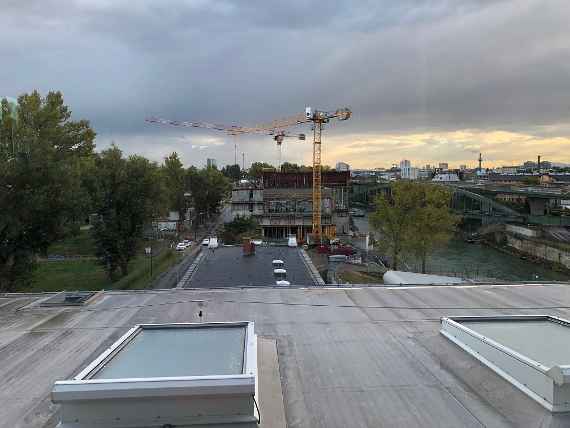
(282, 203)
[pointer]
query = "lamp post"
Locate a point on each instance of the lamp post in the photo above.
(148, 251)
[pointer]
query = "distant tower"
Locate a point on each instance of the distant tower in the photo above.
(538, 164)
(480, 161)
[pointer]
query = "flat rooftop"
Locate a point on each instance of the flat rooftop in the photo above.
(228, 267)
(359, 357)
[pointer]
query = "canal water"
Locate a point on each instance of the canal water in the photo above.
(458, 258)
(482, 261)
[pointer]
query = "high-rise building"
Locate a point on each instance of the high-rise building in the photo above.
(211, 163)
(407, 172)
(342, 166)
(444, 166)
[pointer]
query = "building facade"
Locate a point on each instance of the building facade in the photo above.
(342, 166)
(407, 171)
(247, 199)
(211, 163)
(282, 203)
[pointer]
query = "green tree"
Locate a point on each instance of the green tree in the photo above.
(174, 176)
(256, 169)
(41, 172)
(433, 224)
(414, 219)
(233, 172)
(127, 195)
(290, 167)
(208, 187)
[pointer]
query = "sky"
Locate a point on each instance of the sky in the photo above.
(429, 81)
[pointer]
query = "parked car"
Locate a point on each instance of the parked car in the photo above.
(181, 246)
(187, 242)
(206, 241)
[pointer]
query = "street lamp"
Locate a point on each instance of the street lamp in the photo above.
(148, 251)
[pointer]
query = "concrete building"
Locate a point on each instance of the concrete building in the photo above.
(342, 166)
(211, 163)
(446, 178)
(444, 166)
(287, 204)
(282, 203)
(169, 223)
(407, 171)
(247, 199)
(425, 174)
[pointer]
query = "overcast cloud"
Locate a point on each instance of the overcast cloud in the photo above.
(426, 80)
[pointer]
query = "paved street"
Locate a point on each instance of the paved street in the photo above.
(228, 267)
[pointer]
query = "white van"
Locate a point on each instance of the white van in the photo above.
(213, 243)
(292, 241)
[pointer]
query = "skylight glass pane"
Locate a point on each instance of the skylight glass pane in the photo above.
(173, 352)
(545, 342)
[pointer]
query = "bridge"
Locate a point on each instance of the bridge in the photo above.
(475, 206)
(477, 202)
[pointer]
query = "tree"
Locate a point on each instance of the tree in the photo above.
(256, 169)
(208, 187)
(41, 171)
(233, 172)
(174, 176)
(433, 223)
(415, 219)
(392, 220)
(290, 167)
(127, 195)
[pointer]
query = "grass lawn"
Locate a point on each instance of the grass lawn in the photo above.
(355, 277)
(87, 274)
(68, 275)
(80, 245)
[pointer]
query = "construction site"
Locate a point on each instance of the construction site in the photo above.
(282, 203)
(309, 205)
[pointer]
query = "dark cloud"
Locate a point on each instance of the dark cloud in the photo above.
(404, 66)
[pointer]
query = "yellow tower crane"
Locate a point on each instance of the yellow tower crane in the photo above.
(275, 128)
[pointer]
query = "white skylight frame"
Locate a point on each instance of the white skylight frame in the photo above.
(549, 386)
(104, 395)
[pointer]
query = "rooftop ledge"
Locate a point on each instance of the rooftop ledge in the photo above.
(532, 352)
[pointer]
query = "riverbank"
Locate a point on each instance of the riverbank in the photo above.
(486, 262)
(529, 257)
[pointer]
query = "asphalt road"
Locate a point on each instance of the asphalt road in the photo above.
(170, 278)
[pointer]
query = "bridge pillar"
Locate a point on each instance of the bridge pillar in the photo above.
(537, 206)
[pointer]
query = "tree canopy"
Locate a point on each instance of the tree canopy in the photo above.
(414, 220)
(42, 158)
(174, 180)
(256, 169)
(127, 194)
(233, 172)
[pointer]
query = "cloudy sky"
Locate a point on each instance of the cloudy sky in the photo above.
(428, 81)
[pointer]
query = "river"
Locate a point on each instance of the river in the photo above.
(481, 261)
